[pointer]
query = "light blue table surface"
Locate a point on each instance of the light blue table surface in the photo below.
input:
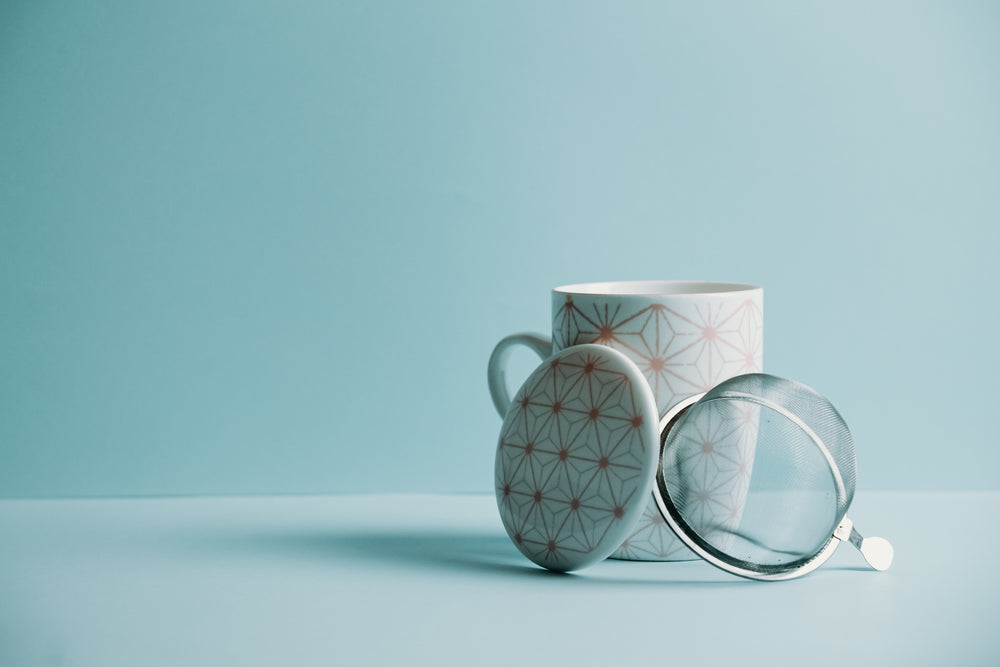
(432, 579)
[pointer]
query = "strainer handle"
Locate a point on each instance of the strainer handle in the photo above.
(876, 550)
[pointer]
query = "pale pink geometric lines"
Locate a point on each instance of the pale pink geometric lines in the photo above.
(682, 350)
(707, 464)
(575, 458)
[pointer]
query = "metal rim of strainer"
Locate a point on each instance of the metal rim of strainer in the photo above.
(705, 550)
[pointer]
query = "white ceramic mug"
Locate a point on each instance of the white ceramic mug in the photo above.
(685, 337)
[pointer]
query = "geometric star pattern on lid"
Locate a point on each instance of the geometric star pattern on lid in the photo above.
(576, 457)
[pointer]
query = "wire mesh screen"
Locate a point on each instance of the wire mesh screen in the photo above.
(760, 471)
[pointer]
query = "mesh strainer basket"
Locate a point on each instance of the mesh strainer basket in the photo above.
(797, 456)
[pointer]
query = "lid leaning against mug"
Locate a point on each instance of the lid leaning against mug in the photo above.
(577, 457)
(582, 445)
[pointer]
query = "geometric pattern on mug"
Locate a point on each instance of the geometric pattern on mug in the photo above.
(571, 460)
(682, 350)
(717, 463)
(708, 464)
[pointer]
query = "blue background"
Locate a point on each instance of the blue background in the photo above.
(267, 247)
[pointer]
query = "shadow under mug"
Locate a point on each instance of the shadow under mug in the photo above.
(685, 337)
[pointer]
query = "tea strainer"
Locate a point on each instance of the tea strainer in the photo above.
(800, 474)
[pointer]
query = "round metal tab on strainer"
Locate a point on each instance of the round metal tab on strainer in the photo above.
(576, 457)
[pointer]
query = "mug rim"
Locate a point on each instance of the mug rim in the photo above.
(655, 288)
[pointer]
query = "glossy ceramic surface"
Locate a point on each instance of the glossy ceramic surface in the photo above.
(576, 457)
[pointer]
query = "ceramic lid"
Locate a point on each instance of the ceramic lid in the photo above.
(577, 456)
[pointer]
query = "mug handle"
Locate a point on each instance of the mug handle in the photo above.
(496, 371)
